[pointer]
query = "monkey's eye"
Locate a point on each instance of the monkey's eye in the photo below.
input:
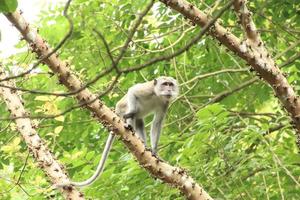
(171, 84)
(165, 83)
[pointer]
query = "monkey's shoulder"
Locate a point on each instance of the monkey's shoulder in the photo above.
(143, 89)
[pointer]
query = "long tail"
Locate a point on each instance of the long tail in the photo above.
(99, 169)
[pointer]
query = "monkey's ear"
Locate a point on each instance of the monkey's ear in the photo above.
(155, 81)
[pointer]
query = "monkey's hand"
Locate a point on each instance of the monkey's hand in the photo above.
(128, 127)
(129, 115)
(129, 118)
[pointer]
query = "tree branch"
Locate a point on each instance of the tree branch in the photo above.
(175, 176)
(36, 146)
(262, 63)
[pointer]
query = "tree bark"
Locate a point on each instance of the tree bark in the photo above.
(175, 176)
(35, 144)
(252, 51)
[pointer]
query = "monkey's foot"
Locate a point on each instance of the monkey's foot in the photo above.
(62, 185)
(128, 127)
(154, 153)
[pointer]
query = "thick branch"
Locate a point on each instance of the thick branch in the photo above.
(253, 40)
(244, 16)
(265, 68)
(175, 176)
(35, 144)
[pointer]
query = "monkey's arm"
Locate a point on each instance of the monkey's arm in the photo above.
(140, 130)
(99, 169)
(131, 104)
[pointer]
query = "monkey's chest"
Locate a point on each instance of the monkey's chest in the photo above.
(147, 107)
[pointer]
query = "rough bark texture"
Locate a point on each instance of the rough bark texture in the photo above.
(251, 50)
(36, 146)
(175, 176)
(252, 40)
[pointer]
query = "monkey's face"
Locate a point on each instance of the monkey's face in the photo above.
(166, 88)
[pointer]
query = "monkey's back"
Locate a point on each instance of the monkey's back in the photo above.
(121, 106)
(147, 101)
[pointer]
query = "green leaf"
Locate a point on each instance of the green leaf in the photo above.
(213, 110)
(8, 5)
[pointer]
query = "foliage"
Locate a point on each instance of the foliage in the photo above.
(8, 6)
(225, 146)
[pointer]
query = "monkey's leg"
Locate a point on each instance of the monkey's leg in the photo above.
(140, 130)
(155, 132)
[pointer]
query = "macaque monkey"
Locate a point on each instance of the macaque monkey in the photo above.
(141, 100)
